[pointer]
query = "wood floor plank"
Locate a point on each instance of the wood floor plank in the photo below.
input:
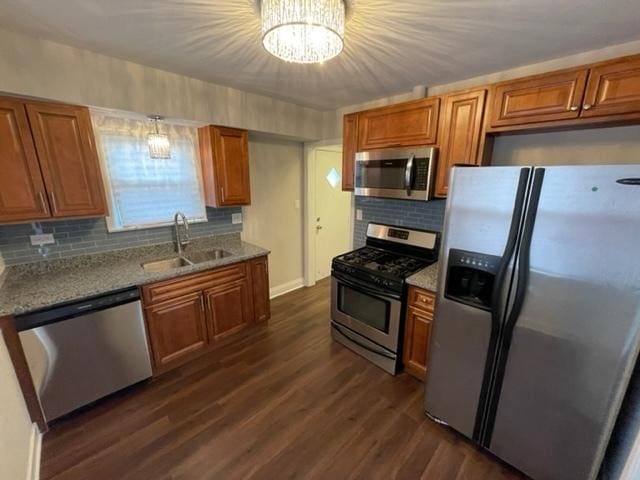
(277, 401)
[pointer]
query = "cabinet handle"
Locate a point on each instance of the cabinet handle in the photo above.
(53, 201)
(574, 108)
(222, 193)
(43, 202)
(587, 106)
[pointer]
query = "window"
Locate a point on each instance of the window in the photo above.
(146, 192)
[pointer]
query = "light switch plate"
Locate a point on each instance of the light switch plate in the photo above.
(297, 204)
(42, 239)
(358, 214)
(236, 218)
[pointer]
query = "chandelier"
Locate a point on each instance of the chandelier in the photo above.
(303, 31)
(159, 146)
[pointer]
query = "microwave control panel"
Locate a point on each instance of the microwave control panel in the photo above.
(421, 171)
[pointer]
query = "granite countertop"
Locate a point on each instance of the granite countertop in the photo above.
(33, 286)
(427, 278)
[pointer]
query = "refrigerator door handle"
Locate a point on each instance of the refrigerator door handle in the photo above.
(518, 302)
(496, 311)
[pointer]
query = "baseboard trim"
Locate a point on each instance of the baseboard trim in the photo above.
(35, 449)
(286, 287)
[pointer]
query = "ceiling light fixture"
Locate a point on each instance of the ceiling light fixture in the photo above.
(303, 31)
(159, 146)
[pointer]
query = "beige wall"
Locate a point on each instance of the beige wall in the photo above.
(44, 69)
(17, 433)
(274, 219)
(616, 145)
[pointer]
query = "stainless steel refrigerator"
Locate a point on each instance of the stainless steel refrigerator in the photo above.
(537, 325)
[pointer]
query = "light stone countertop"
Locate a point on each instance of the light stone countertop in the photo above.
(33, 286)
(427, 278)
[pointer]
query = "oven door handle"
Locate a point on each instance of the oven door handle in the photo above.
(343, 331)
(408, 174)
(365, 288)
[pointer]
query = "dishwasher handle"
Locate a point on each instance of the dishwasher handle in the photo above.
(68, 310)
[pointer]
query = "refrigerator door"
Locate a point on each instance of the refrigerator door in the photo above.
(575, 341)
(478, 224)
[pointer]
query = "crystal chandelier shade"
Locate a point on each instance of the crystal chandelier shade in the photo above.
(159, 146)
(303, 31)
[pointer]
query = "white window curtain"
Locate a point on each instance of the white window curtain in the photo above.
(146, 192)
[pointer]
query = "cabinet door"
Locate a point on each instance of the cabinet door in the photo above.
(65, 145)
(460, 129)
(349, 150)
(404, 124)
(177, 330)
(228, 308)
(260, 286)
(232, 166)
(613, 88)
(416, 341)
(22, 192)
(543, 98)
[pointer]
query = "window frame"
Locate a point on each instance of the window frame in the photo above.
(113, 219)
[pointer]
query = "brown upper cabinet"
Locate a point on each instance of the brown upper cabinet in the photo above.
(404, 124)
(541, 98)
(224, 153)
(460, 132)
(49, 162)
(68, 159)
(349, 149)
(613, 88)
(22, 192)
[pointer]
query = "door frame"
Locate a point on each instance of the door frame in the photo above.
(309, 247)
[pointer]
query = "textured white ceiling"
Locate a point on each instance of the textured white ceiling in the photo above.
(390, 45)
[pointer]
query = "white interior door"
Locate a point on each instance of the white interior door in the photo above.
(332, 211)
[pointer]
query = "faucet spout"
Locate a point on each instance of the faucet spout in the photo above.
(181, 242)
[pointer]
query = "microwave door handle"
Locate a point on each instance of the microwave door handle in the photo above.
(407, 173)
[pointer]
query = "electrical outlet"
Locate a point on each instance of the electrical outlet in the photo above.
(297, 204)
(358, 214)
(42, 239)
(236, 218)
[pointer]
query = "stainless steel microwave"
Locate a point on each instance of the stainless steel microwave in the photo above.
(406, 173)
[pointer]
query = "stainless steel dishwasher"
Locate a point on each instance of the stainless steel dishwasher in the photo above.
(82, 351)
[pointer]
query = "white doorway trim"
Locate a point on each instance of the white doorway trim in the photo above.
(309, 224)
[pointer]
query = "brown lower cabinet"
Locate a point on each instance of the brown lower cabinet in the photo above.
(177, 329)
(229, 308)
(417, 333)
(186, 316)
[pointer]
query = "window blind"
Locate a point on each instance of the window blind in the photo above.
(147, 192)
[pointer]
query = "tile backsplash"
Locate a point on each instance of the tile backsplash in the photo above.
(77, 237)
(405, 213)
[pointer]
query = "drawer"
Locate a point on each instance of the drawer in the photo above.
(183, 285)
(422, 299)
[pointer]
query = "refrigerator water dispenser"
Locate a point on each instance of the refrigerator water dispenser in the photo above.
(470, 278)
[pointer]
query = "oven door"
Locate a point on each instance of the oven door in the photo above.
(366, 310)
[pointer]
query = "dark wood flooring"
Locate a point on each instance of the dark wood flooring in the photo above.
(276, 402)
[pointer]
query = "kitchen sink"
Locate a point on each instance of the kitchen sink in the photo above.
(166, 264)
(207, 255)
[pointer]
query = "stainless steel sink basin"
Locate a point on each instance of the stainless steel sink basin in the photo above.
(207, 255)
(166, 264)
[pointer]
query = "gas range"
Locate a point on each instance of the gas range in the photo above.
(367, 287)
(379, 266)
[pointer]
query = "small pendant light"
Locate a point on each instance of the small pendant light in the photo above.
(159, 146)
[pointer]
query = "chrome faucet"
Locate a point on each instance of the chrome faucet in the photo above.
(180, 243)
